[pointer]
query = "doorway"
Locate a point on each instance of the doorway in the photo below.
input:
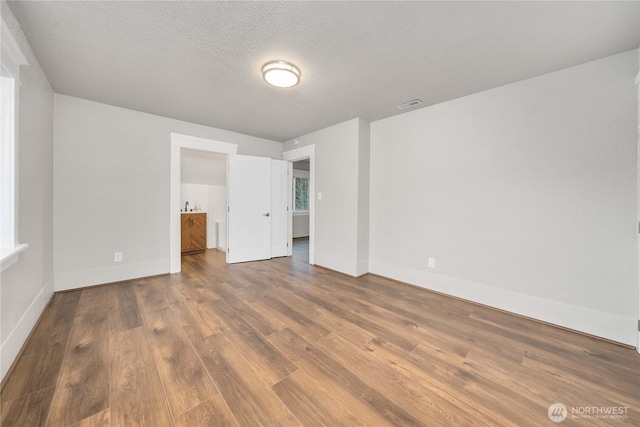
(306, 153)
(300, 195)
(203, 189)
(178, 144)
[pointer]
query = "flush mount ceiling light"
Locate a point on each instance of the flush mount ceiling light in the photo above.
(281, 74)
(412, 103)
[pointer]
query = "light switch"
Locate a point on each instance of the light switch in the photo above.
(319, 196)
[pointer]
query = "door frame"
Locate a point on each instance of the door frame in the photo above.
(178, 143)
(637, 82)
(280, 171)
(303, 153)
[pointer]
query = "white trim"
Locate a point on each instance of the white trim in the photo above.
(9, 256)
(637, 81)
(18, 336)
(11, 57)
(75, 279)
(11, 54)
(339, 264)
(590, 321)
(302, 153)
(179, 142)
(290, 230)
(362, 267)
(9, 163)
(203, 144)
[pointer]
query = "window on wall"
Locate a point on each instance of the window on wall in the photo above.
(300, 191)
(300, 194)
(11, 60)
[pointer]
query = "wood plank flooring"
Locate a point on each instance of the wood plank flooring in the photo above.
(281, 342)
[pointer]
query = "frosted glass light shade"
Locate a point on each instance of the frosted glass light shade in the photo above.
(281, 74)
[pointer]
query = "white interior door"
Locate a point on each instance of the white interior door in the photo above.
(279, 208)
(249, 213)
(290, 208)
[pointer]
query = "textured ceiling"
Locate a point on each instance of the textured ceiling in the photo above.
(201, 61)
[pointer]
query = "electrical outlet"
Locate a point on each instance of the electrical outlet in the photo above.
(432, 263)
(117, 256)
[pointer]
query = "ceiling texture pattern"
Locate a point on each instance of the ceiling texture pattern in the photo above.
(200, 61)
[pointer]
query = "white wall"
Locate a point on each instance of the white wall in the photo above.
(524, 194)
(337, 179)
(196, 195)
(300, 226)
(199, 167)
(364, 166)
(26, 287)
(217, 212)
(212, 200)
(111, 189)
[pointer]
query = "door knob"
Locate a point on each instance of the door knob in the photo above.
(266, 214)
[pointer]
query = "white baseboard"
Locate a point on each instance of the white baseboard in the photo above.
(348, 267)
(362, 267)
(67, 280)
(338, 264)
(18, 336)
(583, 319)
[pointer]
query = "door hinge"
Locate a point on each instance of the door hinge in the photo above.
(287, 244)
(639, 325)
(228, 209)
(228, 250)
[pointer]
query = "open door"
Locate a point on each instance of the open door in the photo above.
(258, 207)
(249, 213)
(279, 208)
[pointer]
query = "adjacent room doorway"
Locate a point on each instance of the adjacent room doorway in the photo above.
(303, 153)
(257, 198)
(178, 143)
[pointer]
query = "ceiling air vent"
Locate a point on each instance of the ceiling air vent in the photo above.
(412, 103)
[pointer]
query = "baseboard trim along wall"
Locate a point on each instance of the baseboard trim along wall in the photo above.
(589, 321)
(362, 267)
(67, 280)
(12, 345)
(341, 265)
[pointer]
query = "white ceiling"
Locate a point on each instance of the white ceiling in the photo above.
(201, 61)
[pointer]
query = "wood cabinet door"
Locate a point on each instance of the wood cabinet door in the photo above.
(185, 233)
(199, 231)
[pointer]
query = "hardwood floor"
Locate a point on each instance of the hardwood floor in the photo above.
(283, 343)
